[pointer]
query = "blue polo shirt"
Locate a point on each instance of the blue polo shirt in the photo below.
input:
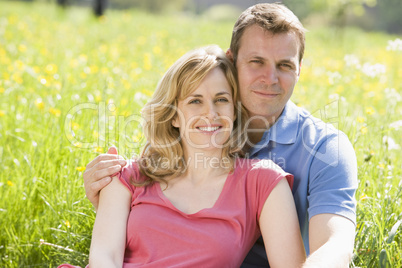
(323, 163)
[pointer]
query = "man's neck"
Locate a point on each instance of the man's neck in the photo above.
(256, 130)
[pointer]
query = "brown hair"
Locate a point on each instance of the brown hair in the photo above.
(163, 153)
(275, 18)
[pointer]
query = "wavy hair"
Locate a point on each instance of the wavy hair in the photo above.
(163, 153)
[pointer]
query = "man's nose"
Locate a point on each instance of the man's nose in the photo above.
(269, 74)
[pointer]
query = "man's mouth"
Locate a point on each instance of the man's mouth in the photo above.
(266, 94)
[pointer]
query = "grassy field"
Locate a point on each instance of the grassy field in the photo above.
(71, 85)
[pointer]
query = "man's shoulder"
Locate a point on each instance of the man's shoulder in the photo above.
(316, 127)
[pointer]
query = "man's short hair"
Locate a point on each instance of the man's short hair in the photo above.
(275, 18)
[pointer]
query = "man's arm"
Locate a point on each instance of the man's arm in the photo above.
(332, 206)
(98, 171)
(331, 239)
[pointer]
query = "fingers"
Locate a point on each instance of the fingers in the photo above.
(102, 169)
(100, 184)
(103, 157)
(112, 150)
(98, 174)
(92, 191)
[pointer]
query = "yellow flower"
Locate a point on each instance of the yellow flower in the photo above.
(360, 119)
(103, 48)
(157, 50)
(51, 68)
(83, 58)
(10, 183)
(98, 149)
(20, 65)
(55, 112)
(94, 69)
(363, 197)
(147, 92)
(78, 144)
(147, 61)
(39, 103)
(123, 102)
(104, 70)
(80, 169)
(363, 130)
(17, 78)
(22, 48)
(75, 126)
(2, 113)
(2, 90)
(137, 138)
(381, 165)
(370, 110)
(36, 69)
(67, 223)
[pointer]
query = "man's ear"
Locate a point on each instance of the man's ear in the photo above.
(300, 65)
(229, 55)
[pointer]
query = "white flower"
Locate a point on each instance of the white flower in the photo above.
(395, 45)
(352, 60)
(373, 70)
(390, 143)
(396, 124)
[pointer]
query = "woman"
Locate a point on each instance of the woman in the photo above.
(189, 201)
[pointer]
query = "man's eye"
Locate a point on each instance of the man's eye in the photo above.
(256, 61)
(286, 66)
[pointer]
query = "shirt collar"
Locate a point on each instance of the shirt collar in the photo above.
(285, 129)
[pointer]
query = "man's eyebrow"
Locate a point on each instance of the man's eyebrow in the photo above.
(257, 57)
(289, 61)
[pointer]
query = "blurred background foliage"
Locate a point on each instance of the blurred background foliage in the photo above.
(370, 15)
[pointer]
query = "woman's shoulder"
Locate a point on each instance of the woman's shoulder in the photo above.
(130, 174)
(256, 165)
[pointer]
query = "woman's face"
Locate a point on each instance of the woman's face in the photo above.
(205, 117)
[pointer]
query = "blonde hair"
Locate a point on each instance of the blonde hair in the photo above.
(272, 17)
(163, 153)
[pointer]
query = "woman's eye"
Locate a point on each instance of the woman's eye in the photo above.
(222, 100)
(194, 101)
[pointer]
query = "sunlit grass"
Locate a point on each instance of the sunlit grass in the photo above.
(71, 85)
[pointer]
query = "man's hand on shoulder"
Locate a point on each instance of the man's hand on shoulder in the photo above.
(98, 171)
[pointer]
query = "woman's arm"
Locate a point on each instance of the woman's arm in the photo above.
(109, 233)
(280, 229)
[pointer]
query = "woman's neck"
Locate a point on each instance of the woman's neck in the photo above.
(202, 166)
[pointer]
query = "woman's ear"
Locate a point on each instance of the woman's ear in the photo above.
(175, 121)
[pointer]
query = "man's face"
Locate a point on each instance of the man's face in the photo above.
(268, 69)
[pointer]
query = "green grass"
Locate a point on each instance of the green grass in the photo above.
(53, 62)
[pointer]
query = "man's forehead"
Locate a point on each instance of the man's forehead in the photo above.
(279, 45)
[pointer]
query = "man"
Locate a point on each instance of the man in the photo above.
(267, 49)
